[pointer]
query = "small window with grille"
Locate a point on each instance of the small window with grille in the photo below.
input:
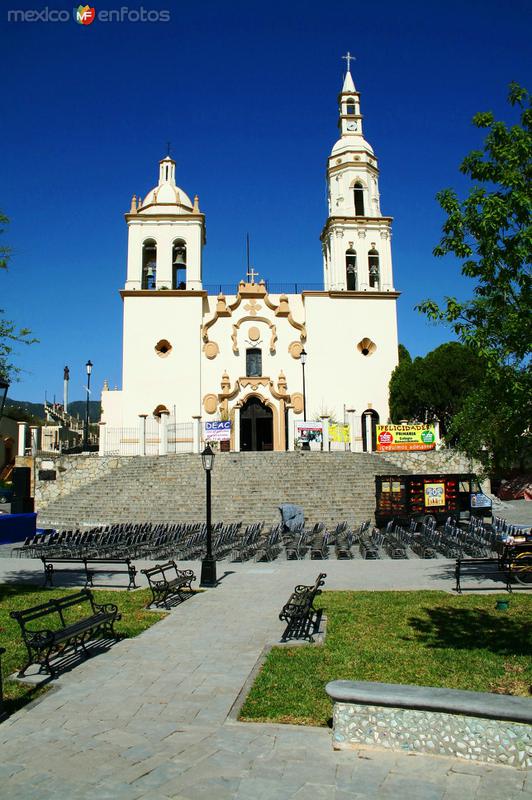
(254, 362)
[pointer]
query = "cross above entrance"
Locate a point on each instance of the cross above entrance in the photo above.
(349, 58)
(252, 274)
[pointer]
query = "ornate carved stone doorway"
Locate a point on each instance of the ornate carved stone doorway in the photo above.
(256, 426)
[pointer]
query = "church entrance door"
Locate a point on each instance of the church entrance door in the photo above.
(256, 426)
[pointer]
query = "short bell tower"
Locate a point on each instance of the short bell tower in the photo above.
(166, 234)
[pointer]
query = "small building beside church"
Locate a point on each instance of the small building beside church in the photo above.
(191, 357)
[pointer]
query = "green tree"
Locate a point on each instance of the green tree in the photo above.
(434, 387)
(490, 232)
(9, 333)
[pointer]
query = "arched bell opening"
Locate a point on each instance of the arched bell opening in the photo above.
(351, 270)
(370, 420)
(149, 264)
(374, 269)
(179, 264)
(358, 192)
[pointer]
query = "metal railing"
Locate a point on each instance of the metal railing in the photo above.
(128, 441)
(272, 288)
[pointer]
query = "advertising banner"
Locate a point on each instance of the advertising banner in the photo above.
(309, 432)
(406, 437)
(434, 494)
(217, 431)
(339, 433)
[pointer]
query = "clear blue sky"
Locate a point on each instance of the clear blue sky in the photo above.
(246, 92)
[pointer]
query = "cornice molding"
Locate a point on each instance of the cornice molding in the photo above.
(348, 295)
(162, 293)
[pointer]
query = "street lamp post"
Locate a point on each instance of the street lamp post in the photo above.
(303, 357)
(4, 386)
(208, 565)
(88, 367)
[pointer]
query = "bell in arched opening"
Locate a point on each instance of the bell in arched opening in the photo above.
(179, 264)
(149, 264)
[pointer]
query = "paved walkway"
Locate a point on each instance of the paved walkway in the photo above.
(149, 718)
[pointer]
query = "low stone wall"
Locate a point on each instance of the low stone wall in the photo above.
(478, 726)
(71, 473)
(444, 461)
(433, 732)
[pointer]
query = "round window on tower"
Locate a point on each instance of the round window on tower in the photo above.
(163, 348)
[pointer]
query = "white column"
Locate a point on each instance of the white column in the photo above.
(358, 433)
(325, 422)
(163, 434)
(34, 433)
(437, 437)
(142, 434)
(368, 423)
(236, 433)
(290, 423)
(22, 428)
(101, 439)
(351, 419)
(196, 445)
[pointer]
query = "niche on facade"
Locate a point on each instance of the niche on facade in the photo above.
(163, 348)
(366, 347)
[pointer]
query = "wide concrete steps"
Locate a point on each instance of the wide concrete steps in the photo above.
(246, 487)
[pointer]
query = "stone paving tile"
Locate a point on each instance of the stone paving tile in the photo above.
(147, 718)
(399, 787)
(459, 786)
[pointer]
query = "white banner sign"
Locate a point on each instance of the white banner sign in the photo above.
(217, 431)
(309, 432)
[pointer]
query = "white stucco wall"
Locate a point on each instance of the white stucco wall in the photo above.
(337, 373)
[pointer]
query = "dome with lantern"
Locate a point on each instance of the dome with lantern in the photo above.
(166, 194)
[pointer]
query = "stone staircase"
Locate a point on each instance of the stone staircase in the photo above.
(246, 487)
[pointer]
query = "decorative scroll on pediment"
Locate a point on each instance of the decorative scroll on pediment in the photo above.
(250, 294)
(236, 327)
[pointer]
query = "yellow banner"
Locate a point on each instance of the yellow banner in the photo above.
(406, 437)
(339, 433)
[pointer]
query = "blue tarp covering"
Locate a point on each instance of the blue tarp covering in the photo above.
(293, 516)
(15, 527)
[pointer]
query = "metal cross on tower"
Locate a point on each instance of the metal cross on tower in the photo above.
(349, 58)
(252, 274)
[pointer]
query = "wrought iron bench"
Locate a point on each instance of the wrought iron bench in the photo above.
(166, 580)
(302, 619)
(43, 642)
(90, 566)
(479, 568)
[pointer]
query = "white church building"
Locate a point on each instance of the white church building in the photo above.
(190, 357)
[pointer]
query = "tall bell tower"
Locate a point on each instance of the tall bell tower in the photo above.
(356, 237)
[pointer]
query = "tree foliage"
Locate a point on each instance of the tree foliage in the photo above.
(491, 233)
(9, 333)
(434, 387)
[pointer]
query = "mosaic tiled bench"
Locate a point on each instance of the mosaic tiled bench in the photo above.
(423, 719)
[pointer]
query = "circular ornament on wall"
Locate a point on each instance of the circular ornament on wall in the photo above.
(366, 347)
(254, 334)
(211, 350)
(163, 348)
(210, 403)
(297, 402)
(295, 349)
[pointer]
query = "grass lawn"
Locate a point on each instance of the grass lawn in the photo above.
(424, 638)
(14, 597)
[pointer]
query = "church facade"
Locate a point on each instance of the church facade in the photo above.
(190, 355)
